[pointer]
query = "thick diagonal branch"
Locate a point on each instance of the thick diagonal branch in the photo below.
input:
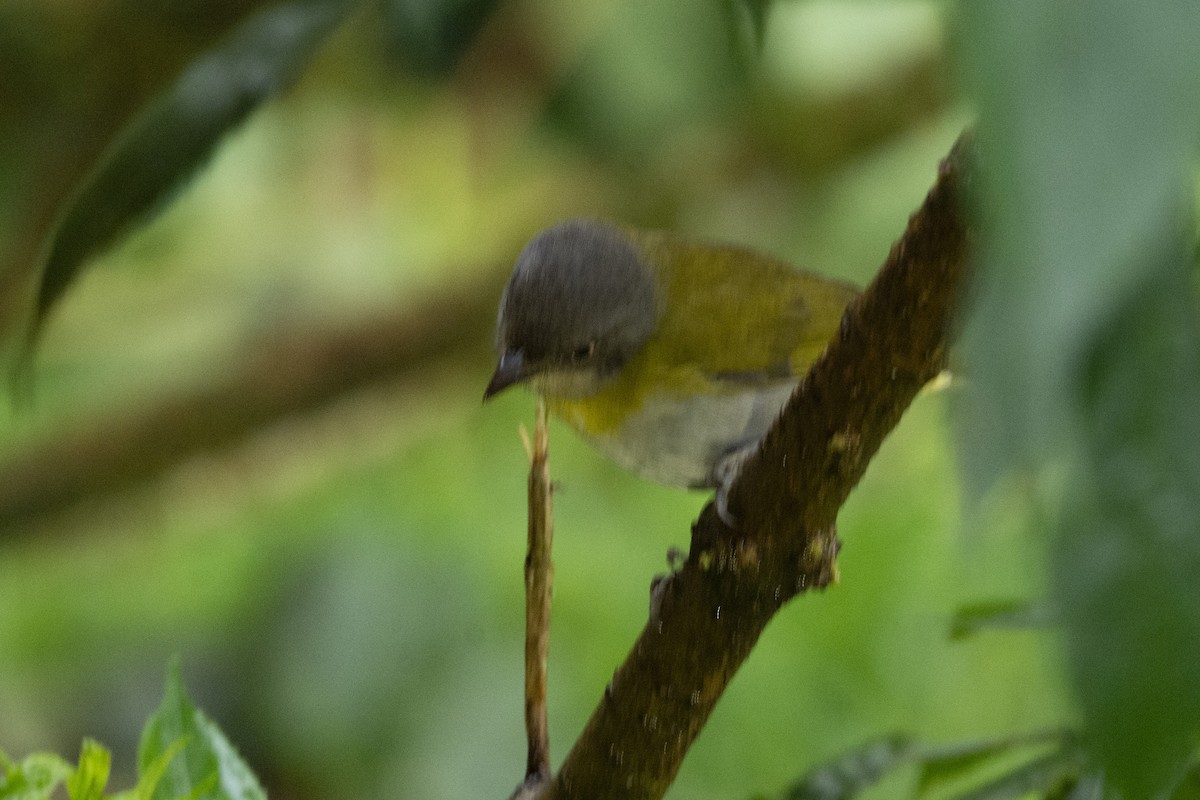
(706, 617)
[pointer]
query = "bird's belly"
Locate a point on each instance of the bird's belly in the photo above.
(678, 442)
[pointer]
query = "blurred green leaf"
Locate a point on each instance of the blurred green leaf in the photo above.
(1129, 552)
(748, 22)
(1189, 787)
(1085, 787)
(1088, 787)
(88, 780)
(176, 134)
(650, 75)
(1041, 775)
(970, 619)
(150, 775)
(34, 778)
(1084, 346)
(430, 36)
(1087, 124)
(851, 773)
(207, 767)
(946, 764)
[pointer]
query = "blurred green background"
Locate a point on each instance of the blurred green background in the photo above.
(341, 573)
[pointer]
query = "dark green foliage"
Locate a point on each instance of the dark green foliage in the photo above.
(1129, 548)
(1085, 348)
(176, 134)
(429, 36)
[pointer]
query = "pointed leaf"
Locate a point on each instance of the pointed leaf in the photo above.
(946, 764)
(852, 773)
(207, 767)
(150, 775)
(176, 134)
(1041, 775)
(91, 776)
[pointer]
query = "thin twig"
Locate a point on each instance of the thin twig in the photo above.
(539, 579)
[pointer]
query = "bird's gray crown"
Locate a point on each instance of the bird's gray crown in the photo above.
(580, 292)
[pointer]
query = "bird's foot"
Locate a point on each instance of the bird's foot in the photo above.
(724, 473)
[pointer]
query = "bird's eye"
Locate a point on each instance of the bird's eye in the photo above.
(584, 352)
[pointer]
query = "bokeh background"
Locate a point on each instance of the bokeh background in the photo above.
(255, 436)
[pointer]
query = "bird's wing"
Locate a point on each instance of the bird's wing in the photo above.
(739, 318)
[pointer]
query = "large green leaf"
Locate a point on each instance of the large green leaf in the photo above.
(1129, 552)
(1083, 346)
(175, 135)
(207, 767)
(1087, 121)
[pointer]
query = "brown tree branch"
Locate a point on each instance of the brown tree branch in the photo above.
(706, 617)
(291, 368)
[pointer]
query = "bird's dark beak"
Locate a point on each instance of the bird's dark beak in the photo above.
(510, 370)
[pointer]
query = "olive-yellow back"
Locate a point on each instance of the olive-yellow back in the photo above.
(731, 321)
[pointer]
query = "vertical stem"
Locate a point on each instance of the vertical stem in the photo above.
(539, 573)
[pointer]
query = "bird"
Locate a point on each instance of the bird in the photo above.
(671, 356)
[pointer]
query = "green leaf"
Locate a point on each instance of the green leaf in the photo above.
(748, 22)
(91, 776)
(1083, 345)
(852, 773)
(173, 137)
(1041, 775)
(1087, 123)
(1126, 562)
(150, 775)
(1189, 787)
(430, 36)
(1088, 787)
(34, 778)
(199, 761)
(941, 766)
(971, 619)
